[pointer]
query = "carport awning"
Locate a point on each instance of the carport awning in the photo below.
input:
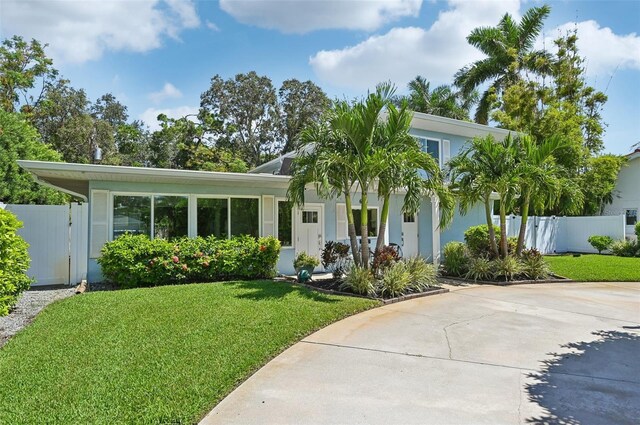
(74, 178)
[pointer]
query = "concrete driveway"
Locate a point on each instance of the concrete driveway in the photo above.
(557, 353)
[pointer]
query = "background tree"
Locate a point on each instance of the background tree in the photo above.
(443, 101)
(600, 176)
(300, 104)
(22, 66)
(247, 106)
(509, 57)
(19, 140)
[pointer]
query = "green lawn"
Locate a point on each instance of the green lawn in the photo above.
(599, 268)
(156, 355)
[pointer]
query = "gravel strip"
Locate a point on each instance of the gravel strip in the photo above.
(28, 306)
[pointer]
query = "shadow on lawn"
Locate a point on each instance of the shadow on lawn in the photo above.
(597, 383)
(270, 290)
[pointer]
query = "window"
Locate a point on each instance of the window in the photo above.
(372, 221)
(170, 216)
(432, 147)
(131, 214)
(310, 217)
(285, 230)
(409, 218)
(213, 217)
(631, 216)
(244, 216)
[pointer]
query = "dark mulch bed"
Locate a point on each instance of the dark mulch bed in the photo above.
(332, 286)
(551, 279)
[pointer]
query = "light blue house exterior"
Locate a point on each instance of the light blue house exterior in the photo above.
(163, 202)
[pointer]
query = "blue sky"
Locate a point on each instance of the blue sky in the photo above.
(159, 55)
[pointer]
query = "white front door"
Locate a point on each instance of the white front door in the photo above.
(309, 235)
(409, 235)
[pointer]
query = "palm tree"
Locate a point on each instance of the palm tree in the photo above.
(407, 166)
(485, 167)
(442, 101)
(322, 161)
(509, 51)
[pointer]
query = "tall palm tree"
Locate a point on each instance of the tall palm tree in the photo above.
(409, 169)
(485, 167)
(442, 100)
(322, 161)
(510, 54)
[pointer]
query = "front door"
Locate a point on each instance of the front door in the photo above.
(409, 235)
(309, 236)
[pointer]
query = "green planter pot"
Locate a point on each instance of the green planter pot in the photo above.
(308, 272)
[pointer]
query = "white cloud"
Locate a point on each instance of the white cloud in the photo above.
(603, 50)
(402, 53)
(212, 26)
(302, 16)
(78, 31)
(150, 116)
(169, 91)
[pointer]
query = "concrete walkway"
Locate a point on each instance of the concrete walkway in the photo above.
(556, 353)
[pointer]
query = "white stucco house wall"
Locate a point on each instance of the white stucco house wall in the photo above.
(626, 195)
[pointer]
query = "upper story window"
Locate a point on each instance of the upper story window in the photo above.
(432, 147)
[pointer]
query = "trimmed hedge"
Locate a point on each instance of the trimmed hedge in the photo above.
(135, 260)
(14, 262)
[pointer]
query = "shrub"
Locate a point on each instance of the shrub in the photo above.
(135, 260)
(304, 260)
(14, 262)
(396, 280)
(359, 281)
(506, 268)
(335, 257)
(479, 268)
(626, 248)
(383, 259)
(533, 265)
(455, 258)
(477, 240)
(600, 243)
(423, 274)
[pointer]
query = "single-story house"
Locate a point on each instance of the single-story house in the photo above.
(171, 203)
(626, 195)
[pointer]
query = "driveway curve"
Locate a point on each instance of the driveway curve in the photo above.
(546, 353)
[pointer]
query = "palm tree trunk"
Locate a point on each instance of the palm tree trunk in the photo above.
(353, 238)
(524, 212)
(492, 233)
(364, 230)
(504, 247)
(384, 217)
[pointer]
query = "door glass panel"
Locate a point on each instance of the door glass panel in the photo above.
(244, 217)
(131, 214)
(213, 216)
(170, 216)
(409, 218)
(310, 217)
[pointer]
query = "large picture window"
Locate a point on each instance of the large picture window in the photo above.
(170, 216)
(131, 214)
(372, 221)
(245, 217)
(285, 228)
(213, 217)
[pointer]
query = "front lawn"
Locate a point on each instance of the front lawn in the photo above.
(155, 355)
(596, 268)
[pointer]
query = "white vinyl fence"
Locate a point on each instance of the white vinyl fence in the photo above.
(57, 237)
(565, 234)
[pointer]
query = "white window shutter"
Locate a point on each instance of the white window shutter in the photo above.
(99, 221)
(446, 152)
(341, 222)
(268, 215)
